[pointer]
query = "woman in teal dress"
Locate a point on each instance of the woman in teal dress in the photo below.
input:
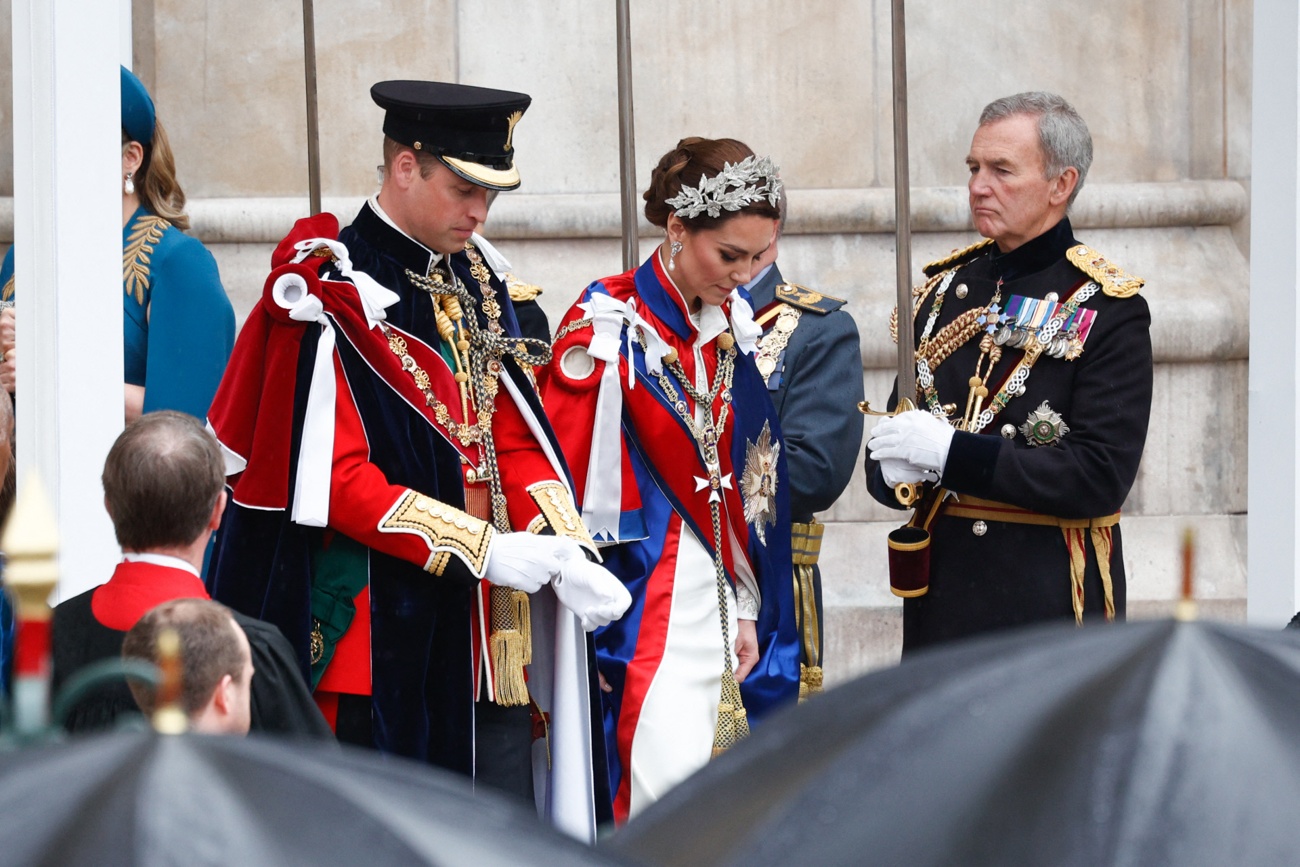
(177, 325)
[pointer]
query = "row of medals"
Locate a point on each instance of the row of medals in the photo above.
(1065, 345)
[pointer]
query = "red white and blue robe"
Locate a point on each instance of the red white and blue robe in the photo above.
(340, 465)
(641, 480)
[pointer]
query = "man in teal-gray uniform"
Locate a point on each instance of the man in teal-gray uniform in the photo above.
(811, 359)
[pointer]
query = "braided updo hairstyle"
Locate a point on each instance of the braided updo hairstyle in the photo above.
(683, 166)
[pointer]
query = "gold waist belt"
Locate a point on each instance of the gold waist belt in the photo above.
(806, 542)
(1075, 530)
(806, 545)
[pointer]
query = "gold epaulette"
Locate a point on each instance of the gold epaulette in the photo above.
(1114, 280)
(519, 290)
(956, 257)
(808, 299)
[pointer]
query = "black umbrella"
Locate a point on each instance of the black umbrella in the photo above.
(1141, 744)
(147, 799)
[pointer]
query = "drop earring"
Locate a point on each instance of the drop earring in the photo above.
(128, 185)
(673, 249)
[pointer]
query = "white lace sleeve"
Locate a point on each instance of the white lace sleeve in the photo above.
(746, 604)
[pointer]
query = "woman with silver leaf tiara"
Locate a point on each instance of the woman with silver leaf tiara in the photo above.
(676, 455)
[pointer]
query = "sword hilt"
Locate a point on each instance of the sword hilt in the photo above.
(905, 492)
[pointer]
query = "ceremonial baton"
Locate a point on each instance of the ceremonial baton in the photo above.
(313, 125)
(906, 493)
(626, 140)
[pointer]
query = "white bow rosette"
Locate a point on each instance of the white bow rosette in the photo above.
(602, 500)
(297, 293)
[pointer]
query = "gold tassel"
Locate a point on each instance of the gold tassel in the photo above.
(523, 615)
(511, 645)
(810, 681)
(733, 721)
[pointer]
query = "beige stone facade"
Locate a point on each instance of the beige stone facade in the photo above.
(1164, 86)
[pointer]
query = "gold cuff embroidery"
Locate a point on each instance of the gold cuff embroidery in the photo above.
(557, 508)
(445, 529)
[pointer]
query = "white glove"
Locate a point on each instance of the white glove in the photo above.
(590, 591)
(915, 436)
(897, 471)
(526, 561)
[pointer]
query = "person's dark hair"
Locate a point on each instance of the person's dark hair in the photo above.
(427, 161)
(162, 479)
(683, 166)
(1062, 134)
(156, 184)
(210, 649)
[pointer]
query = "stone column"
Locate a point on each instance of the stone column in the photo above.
(67, 224)
(1273, 593)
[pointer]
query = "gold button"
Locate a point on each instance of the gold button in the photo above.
(979, 528)
(962, 290)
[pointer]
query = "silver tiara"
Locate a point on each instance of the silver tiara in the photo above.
(748, 181)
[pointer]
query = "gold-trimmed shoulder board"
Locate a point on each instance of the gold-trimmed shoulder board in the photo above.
(956, 257)
(1114, 280)
(808, 299)
(519, 290)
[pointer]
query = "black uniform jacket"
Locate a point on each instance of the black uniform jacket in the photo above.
(281, 702)
(1019, 573)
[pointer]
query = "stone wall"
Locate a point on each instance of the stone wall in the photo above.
(1164, 86)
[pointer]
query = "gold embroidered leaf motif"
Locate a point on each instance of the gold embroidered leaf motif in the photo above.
(7, 294)
(146, 232)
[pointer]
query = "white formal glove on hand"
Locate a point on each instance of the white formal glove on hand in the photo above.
(897, 471)
(591, 592)
(526, 561)
(916, 437)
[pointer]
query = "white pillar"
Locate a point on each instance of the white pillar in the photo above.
(1273, 523)
(67, 233)
(125, 36)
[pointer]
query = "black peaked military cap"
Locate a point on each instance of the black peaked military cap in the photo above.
(469, 129)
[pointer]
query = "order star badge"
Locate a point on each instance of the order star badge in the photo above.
(1044, 427)
(758, 482)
